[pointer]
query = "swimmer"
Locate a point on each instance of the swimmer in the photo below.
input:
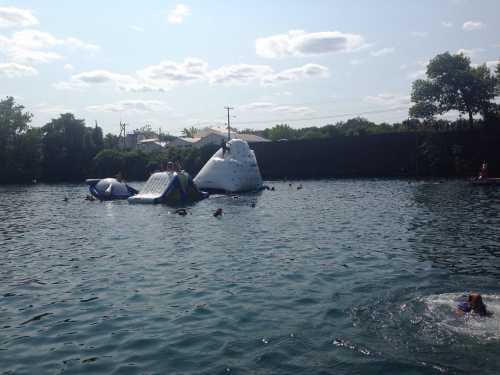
(299, 187)
(181, 211)
(272, 188)
(65, 199)
(89, 198)
(474, 304)
(218, 212)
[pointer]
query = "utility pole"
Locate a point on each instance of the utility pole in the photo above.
(228, 123)
(123, 132)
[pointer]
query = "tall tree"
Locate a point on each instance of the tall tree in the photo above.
(190, 132)
(453, 84)
(19, 152)
(68, 148)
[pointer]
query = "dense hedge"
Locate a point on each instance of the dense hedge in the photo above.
(415, 154)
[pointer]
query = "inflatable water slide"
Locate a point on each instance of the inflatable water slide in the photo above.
(168, 187)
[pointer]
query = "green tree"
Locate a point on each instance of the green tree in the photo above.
(68, 148)
(280, 131)
(111, 141)
(108, 163)
(357, 126)
(453, 84)
(19, 151)
(190, 132)
(497, 77)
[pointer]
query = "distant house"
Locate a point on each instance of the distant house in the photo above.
(150, 145)
(183, 142)
(211, 139)
(251, 138)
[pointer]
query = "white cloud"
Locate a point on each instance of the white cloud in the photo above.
(470, 52)
(131, 106)
(271, 107)
(446, 24)
(16, 17)
(389, 100)
(85, 79)
(177, 15)
(32, 46)
(300, 43)
(419, 34)
(295, 74)
(68, 67)
(302, 110)
(382, 52)
(78, 44)
(256, 106)
(137, 28)
(14, 70)
(240, 73)
(52, 109)
(169, 73)
(356, 62)
(472, 25)
(417, 74)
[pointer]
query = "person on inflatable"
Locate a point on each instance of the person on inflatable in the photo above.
(473, 304)
(483, 172)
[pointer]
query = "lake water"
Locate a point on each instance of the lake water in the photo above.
(340, 277)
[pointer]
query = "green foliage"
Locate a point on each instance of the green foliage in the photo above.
(111, 141)
(19, 144)
(497, 78)
(68, 148)
(190, 132)
(281, 131)
(453, 84)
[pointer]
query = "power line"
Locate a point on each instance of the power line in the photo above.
(395, 109)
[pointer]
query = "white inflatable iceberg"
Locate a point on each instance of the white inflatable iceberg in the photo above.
(234, 170)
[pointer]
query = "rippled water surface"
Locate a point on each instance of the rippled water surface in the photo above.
(340, 277)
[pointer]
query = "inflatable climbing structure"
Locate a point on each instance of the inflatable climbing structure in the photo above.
(231, 171)
(172, 188)
(110, 189)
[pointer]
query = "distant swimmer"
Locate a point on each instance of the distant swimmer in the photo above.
(89, 198)
(299, 187)
(181, 211)
(218, 212)
(65, 199)
(483, 172)
(473, 304)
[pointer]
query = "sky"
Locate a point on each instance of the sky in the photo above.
(173, 65)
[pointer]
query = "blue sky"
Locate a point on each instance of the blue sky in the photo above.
(177, 64)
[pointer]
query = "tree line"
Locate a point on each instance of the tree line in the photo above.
(65, 149)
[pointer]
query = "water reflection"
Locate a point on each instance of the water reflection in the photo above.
(456, 226)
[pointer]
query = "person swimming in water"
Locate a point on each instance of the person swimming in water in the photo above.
(474, 304)
(483, 172)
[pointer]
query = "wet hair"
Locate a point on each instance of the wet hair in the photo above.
(477, 305)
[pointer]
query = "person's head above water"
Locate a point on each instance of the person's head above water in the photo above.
(476, 303)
